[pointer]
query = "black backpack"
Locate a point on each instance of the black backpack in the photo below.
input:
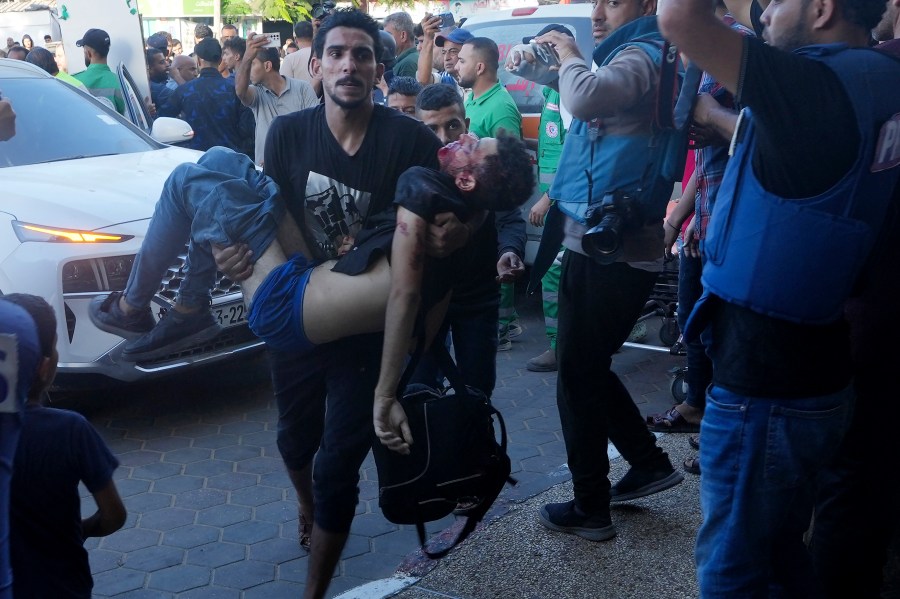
(456, 457)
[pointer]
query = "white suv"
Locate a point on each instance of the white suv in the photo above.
(79, 187)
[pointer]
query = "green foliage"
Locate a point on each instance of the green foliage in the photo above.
(282, 10)
(235, 8)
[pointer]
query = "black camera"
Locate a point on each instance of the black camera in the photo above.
(320, 10)
(616, 213)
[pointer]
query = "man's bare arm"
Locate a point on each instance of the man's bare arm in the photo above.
(407, 268)
(242, 87)
(430, 25)
(693, 26)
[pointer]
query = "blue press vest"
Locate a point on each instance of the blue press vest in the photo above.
(615, 162)
(760, 247)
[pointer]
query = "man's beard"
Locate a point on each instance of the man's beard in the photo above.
(465, 83)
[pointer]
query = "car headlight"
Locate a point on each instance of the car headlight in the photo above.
(32, 232)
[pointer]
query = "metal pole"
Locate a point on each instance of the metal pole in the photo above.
(217, 17)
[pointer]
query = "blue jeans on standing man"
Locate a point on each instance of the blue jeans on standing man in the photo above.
(760, 459)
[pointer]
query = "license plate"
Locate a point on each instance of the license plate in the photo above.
(230, 314)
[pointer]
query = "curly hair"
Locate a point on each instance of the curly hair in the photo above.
(347, 17)
(507, 177)
(863, 13)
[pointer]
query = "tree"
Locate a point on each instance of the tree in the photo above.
(235, 8)
(283, 10)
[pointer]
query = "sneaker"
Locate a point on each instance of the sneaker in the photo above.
(175, 332)
(504, 344)
(546, 362)
(514, 329)
(638, 332)
(566, 517)
(107, 316)
(639, 482)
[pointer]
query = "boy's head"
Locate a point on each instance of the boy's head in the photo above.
(497, 171)
(402, 93)
(45, 322)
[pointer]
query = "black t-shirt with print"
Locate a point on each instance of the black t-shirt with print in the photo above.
(334, 194)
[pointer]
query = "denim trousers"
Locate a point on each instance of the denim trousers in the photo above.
(760, 460)
(699, 365)
(221, 199)
(473, 330)
(598, 305)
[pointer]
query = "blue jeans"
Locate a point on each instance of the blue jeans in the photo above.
(760, 459)
(473, 329)
(699, 366)
(221, 199)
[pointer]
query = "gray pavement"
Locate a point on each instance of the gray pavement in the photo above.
(211, 512)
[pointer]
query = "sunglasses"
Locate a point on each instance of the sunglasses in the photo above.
(320, 10)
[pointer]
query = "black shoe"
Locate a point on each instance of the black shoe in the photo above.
(566, 517)
(106, 315)
(175, 332)
(641, 482)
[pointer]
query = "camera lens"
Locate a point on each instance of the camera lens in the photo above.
(604, 242)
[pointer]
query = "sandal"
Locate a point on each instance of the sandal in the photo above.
(304, 530)
(671, 422)
(694, 441)
(692, 465)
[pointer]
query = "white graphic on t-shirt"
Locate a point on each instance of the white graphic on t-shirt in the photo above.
(333, 211)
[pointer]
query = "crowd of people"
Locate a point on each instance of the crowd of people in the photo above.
(371, 175)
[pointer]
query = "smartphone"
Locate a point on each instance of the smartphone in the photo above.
(274, 40)
(447, 20)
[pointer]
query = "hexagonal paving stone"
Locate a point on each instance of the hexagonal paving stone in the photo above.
(232, 480)
(177, 484)
(209, 468)
(224, 515)
(118, 446)
(244, 575)
(217, 554)
(252, 531)
(199, 499)
(236, 453)
(130, 486)
(243, 428)
(167, 518)
(521, 451)
(370, 566)
(102, 560)
(256, 495)
(398, 542)
(196, 430)
(277, 551)
(118, 581)
(191, 536)
(130, 539)
(371, 525)
(528, 437)
(294, 570)
(260, 465)
(216, 441)
(544, 423)
(260, 439)
(167, 443)
(180, 578)
(156, 471)
(147, 502)
(278, 478)
(139, 458)
(277, 589)
(356, 545)
(278, 512)
(154, 558)
(188, 455)
(211, 592)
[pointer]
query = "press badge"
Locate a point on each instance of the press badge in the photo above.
(887, 150)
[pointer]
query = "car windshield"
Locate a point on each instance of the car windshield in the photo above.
(55, 122)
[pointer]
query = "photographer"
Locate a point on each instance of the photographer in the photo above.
(602, 293)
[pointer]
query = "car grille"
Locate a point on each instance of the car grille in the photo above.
(111, 274)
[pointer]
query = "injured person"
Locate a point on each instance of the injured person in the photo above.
(295, 303)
